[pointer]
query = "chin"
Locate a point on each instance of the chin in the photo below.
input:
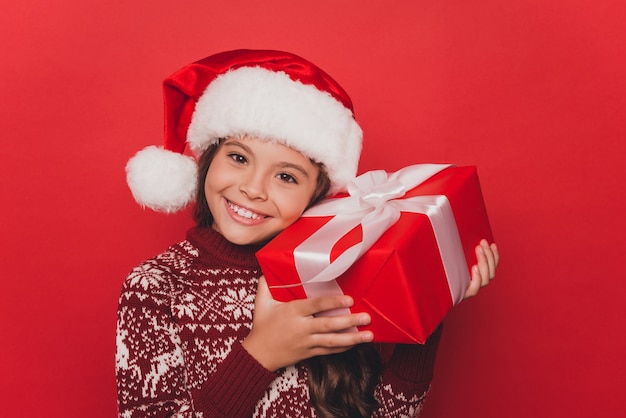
(247, 240)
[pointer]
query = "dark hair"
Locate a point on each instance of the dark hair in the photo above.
(343, 384)
(340, 385)
(201, 213)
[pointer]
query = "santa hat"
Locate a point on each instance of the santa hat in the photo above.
(266, 94)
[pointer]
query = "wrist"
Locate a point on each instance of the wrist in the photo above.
(259, 354)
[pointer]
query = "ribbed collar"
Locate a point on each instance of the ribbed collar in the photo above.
(217, 251)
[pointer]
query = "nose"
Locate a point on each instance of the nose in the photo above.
(253, 186)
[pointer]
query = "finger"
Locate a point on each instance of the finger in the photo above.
(490, 257)
(340, 340)
(312, 306)
(483, 265)
(338, 323)
(475, 283)
(496, 253)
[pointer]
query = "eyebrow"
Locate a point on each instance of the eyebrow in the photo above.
(280, 164)
(297, 167)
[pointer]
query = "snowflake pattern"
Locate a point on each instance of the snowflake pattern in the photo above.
(396, 404)
(187, 307)
(146, 276)
(239, 302)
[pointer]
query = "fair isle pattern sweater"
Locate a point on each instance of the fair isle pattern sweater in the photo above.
(181, 319)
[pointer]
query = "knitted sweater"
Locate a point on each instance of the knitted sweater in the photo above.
(181, 319)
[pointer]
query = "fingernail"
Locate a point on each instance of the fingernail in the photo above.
(368, 337)
(347, 301)
(364, 319)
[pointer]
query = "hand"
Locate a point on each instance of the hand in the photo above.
(484, 271)
(284, 333)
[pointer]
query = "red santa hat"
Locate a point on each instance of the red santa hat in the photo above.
(266, 94)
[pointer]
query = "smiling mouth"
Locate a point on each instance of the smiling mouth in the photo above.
(245, 213)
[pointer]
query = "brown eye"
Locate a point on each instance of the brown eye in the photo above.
(287, 178)
(238, 158)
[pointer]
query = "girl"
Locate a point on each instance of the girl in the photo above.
(198, 333)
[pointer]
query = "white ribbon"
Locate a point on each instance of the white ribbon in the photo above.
(375, 202)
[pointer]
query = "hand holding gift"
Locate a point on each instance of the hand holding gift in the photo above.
(487, 257)
(284, 333)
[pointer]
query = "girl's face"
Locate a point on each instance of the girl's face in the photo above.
(255, 188)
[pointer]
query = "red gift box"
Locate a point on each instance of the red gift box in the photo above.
(411, 275)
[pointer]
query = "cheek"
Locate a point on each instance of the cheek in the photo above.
(212, 186)
(294, 206)
(214, 179)
(208, 187)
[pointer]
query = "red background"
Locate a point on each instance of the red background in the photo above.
(532, 92)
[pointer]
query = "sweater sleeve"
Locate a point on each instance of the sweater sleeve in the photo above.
(150, 362)
(415, 363)
(407, 376)
(238, 381)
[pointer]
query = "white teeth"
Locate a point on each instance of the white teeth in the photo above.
(243, 212)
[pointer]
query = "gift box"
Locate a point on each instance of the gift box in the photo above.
(400, 244)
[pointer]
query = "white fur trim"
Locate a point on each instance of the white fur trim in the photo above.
(162, 180)
(270, 105)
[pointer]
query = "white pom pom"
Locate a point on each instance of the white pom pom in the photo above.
(162, 180)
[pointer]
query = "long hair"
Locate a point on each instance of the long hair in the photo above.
(343, 384)
(201, 213)
(340, 385)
